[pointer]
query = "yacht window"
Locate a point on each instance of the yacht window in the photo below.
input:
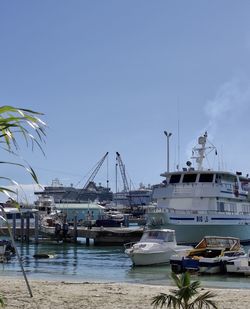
(220, 206)
(206, 178)
(10, 215)
(228, 178)
(189, 178)
(175, 178)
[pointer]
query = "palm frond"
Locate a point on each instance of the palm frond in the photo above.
(186, 296)
(2, 303)
(163, 299)
(204, 300)
(18, 120)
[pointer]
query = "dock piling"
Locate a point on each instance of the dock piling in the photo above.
(36, 227)
(27, 227)
(22, 227)
(14, 225)
(75, 229)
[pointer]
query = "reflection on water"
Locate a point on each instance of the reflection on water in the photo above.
(82, 263)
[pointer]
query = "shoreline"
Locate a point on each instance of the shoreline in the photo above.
(104, 295)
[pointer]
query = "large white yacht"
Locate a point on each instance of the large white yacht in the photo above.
(199, 202)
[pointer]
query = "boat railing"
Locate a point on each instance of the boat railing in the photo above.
(192, 211)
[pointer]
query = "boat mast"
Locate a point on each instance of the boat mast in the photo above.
(200, 151)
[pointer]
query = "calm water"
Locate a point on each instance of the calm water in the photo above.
(82, 263)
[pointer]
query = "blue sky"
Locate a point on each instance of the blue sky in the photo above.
(113, 75)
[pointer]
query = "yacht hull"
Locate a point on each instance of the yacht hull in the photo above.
(189, 231)
(140, 258)
(143, 259)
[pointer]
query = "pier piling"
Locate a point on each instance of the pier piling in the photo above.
(36, 227)
(22, 228)
(14, 226)
(27, 227)
(75, 229)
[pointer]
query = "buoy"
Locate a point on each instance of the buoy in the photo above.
(43, 256)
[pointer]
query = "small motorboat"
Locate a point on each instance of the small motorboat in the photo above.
(155, 247)
(110, 218)
(240, 265)
(209, 256)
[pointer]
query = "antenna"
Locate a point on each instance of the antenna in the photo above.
(178, 134)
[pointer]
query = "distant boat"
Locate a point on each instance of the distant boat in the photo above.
(155, 247)
(199, 202)
(110, 218)
(52, 222)
(70, 194)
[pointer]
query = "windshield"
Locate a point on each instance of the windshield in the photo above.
(158, 235)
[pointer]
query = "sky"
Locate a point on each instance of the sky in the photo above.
(111, 76)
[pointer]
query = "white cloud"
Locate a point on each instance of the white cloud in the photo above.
(229, 104)
(227, 125)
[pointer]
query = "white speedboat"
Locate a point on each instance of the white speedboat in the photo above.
(239, 266)
(200, 201)
(155, 247)
(209, 256)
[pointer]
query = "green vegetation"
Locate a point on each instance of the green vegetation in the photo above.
(2, 304)
(187, 296)
(19, 123)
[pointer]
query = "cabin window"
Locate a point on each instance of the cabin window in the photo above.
(11, 215)
(189, 178)
(246, 209)
(233, 207)
(18, 215)
(175, 178)
(221, 206)
(206, 178)
(228, 178)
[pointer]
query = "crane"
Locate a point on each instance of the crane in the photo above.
(122, 170)
(98, 166)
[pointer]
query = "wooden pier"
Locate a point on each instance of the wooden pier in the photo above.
(99, 235)
(24, 230)
(111, 235)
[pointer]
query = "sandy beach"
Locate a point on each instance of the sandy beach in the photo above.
(71, 295)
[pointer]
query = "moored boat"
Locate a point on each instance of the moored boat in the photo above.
(209, 256)
(201, 201)
(155, 247)
(110, 218)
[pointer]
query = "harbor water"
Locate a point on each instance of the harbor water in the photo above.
(81, 263)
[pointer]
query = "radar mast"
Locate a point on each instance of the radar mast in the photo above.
(201, 150)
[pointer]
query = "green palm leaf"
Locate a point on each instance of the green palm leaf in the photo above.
(2, 303)
(19, 123)
(186, 296)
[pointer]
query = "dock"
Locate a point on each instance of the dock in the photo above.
(99, 235)
(111, 235)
